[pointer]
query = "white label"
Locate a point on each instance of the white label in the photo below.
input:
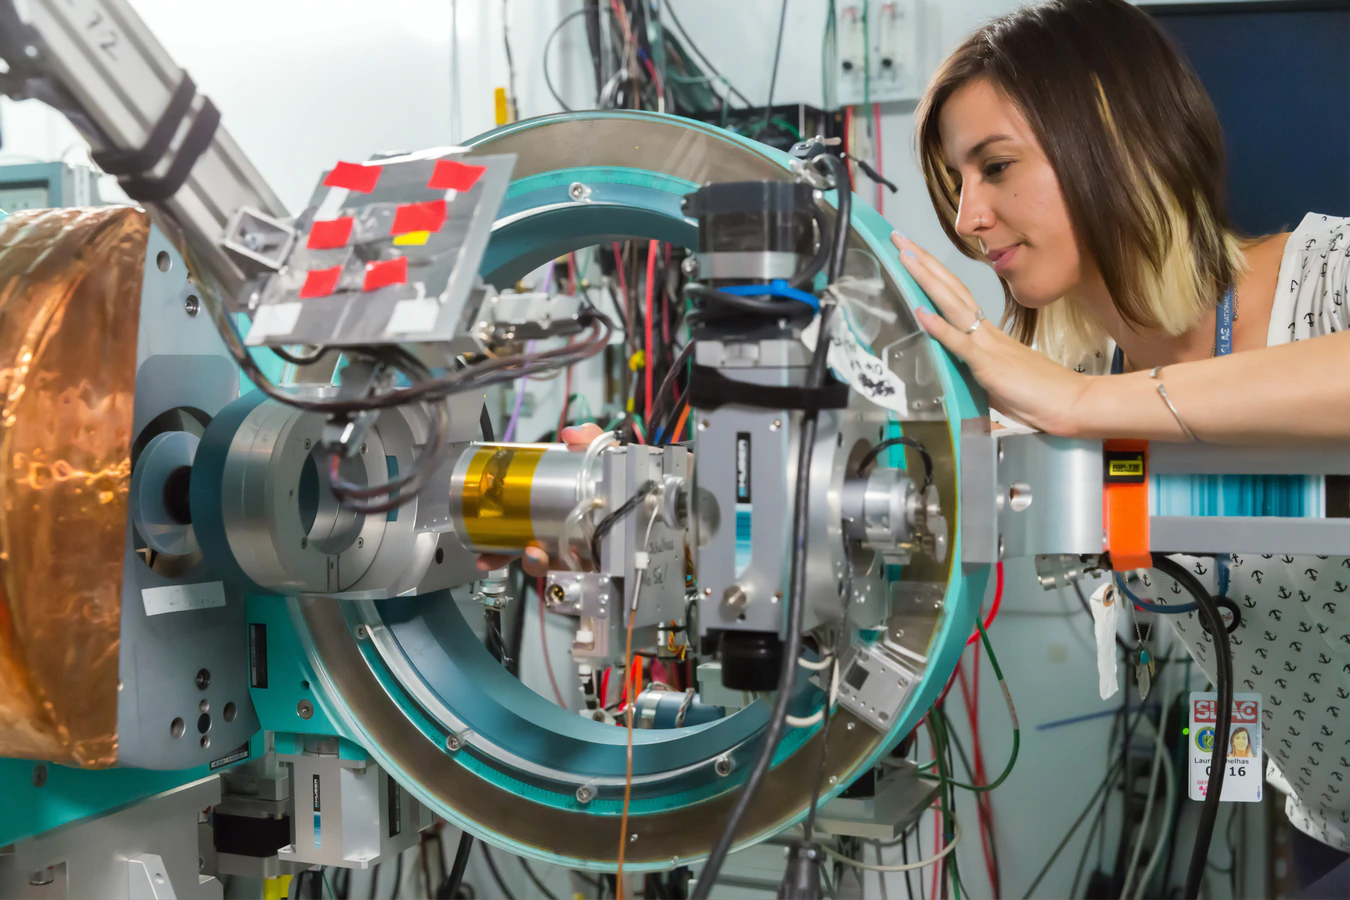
(853, 363)
(1243, 775)
(180, 597)
(274, 318)
(413, 317)
(1105, 607)
(331, 204)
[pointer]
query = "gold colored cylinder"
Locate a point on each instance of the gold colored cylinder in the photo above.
(70, 288)
(506, 497)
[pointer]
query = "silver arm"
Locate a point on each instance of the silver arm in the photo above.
(96, 62)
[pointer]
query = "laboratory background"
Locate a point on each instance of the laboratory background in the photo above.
(427, 473)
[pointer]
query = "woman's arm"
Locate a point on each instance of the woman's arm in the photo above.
(1277, 395)
(1291, 393)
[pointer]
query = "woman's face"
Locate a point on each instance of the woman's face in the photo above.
(1240, 743)
(1011, 206)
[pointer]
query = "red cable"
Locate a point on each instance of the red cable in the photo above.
(971, 702)
(848, 142)
(876, 121)
(993, 607)
(937, 847)
(647, 358)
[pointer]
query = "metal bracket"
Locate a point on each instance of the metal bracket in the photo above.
(877, 682)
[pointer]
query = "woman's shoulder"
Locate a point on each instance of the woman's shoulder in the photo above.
(1318, 232)
(1312, 292)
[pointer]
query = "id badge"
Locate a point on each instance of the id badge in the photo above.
(1244, 775)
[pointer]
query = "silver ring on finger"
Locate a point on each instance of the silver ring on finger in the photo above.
(979, 319)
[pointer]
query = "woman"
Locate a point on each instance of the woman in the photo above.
(1069, 146)
(1241, 745)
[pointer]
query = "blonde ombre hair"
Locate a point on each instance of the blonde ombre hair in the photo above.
(1137, 148)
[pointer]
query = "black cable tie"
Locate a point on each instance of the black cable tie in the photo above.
(195, 143)
(131, 163)
(710, 389)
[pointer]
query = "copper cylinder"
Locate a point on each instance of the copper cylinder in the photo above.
(70, 290)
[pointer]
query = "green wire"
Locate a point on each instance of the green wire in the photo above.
(1012, 713)
(867, 63)
(324, 873)
(939, 736)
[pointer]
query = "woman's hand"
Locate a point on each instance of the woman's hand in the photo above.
(534, 560)
(1021, 382)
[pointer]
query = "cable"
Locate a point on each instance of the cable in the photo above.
(529, 873)
(1159, 752)
(398, 875)
(777, 52)
(374, 881)
(548, 44)
(876, 153)
(1165, 609)
(640, 573)
(543, 641)
(876, 451)
(797, 584)
(688, 42)
(1210, 615)
(609, 521)
(496, 875)
(456, 877)
(300, 359)
(514, 112)
(993, 607)
(905, 867)
(1012, 714)
(649, 358)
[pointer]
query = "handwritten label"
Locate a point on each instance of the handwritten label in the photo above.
(853, 363)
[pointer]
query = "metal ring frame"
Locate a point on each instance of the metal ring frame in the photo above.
(519, 761)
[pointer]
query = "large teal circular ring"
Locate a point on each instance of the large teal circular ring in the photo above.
(430, 705)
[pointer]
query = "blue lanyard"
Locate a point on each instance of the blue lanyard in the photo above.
(1223, 333)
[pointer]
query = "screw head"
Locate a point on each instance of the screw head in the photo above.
(362, 632)
(192, 305)
(304, 542)
(453, 743)
(363, 449)
(308, 443)
(304, 709)
(584, 794)
(723, 766)
(578, 191)
(360, 542)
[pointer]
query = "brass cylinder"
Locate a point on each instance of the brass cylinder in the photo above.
(70, 292)
(506, 497)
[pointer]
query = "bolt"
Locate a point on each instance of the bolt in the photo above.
(723, 766)
(453, 743)
(584, 795)
(41, 877)
(734, 598)
(707, 592)
(39, 776)
(191, 305)
(1000, 548)
(703, 424)
(362, 632)
(578, 191)
(363, 449)
(777, 424)
(304, 709)
(360, 542)
(851, 725)
(632, 837)
(308, 443)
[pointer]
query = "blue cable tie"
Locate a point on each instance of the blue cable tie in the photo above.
(776, 288)
(1155, 607)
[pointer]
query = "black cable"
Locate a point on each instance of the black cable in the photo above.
(529, 872)
(485, 424)
(797, 585)
(1213, 620)
(904, 858)
(871, 455)
(987, 828)
(548, 44)
(609, 521)
(820, 258)
(496, 875)
(777, 52)
(398, 876)
(510, 63)
(729, 306)
(667, 383)
(299, 359)
(707, 64)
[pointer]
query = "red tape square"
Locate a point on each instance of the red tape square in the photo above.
(320, 282)
(429, 216)
(353, 177)
(385, 273)
(454, 176)
(330, 234)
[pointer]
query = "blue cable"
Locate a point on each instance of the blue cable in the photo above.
(1155, 607)
(777, 288)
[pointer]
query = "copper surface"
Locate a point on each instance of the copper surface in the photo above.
(70, 288)
(496, 497)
